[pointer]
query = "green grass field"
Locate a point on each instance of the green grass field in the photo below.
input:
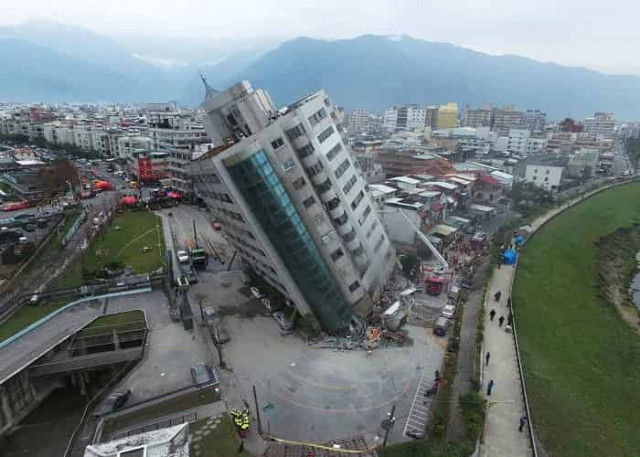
(582, 363)
(122, 241)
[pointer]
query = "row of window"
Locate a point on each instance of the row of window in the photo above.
(356, 201)
(326, 134)
(349, 185)
(249, 245)
(295, 132)
(277, 143)
(287, 164)
(371, 229)
(210, 178)
(334, 151)
(309, 202)
(378, 244)
(218, 196)
(344, 166)
(365, 214)
(315, 169)
(299, 183)
(306, 150)
(317, 116)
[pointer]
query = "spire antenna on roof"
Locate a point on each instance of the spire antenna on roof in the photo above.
(209, 91)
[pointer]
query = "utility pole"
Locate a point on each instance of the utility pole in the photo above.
(392, 420)
(195, 234)
(255, 400)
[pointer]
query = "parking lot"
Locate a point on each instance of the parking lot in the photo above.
(170, 351)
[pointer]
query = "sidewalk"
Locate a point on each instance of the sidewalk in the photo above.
(505, 405)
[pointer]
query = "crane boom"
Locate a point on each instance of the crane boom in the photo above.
(426, 241)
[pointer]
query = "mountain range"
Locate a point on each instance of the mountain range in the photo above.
(50, 62)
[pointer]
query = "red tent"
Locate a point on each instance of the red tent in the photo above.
(129, 200)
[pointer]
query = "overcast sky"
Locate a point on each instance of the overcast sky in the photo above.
(598, 34)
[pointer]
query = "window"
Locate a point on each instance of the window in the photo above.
(365, 214)
(333, 152)
(378, 244)
(546, 179)
(342, 219)
(344, 166)
(547, 172)
(317, 116)
(324, 187)
(371, 229)
(335, 255)
(534, 178)
(305, 151)
(356, 201)
(299, 183)
(326, 134)
(277, 143)
(288, 164)
(535, 170)
(354, 285)
(295, 132)
(309, 202)
(349, 185)
(314, 169)
(327, 103)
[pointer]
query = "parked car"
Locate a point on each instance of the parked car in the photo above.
(15, 206)
(284, 323)
(216, 226)
(448, 311)
(202, 374)
(183, 256)
(113, 402)
(441, 326)
(256, 293)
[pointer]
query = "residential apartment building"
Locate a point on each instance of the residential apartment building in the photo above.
(548, 177)
(478, 117)
(358, 121)
(448, 116)
(431, 117)
(293, 204)
(600, 125)
(405, 118)
(535, 121)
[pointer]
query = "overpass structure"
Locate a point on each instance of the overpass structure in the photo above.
(47, 354)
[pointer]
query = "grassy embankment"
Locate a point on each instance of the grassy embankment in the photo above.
(582, 361)
(120, 242)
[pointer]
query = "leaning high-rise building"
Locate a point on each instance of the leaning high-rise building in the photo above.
(293, 203)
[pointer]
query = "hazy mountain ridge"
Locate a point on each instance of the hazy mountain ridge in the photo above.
(53, 62)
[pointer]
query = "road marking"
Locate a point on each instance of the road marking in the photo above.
(417, 407)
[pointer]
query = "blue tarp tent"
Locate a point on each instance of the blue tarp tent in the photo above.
(509, 257)
(519, 239)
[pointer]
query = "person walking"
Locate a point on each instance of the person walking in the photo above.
(501, 321)
(497, 295)
(523, 422)
(486, 359)
(492, 314)
(490, 387)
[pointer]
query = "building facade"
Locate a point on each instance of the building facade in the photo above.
(600, 125)
(293, 204)
(448, 116)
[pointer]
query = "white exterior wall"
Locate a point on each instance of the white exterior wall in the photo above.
(396, 225)
(390, 119)
(547, 177)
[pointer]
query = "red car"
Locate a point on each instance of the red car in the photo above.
(216, 226)
(15, 206)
